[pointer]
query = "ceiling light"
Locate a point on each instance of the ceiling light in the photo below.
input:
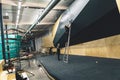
(19, 5)
(18, 12)
(6, 14)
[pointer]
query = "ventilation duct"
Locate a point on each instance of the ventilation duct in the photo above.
(45, 12)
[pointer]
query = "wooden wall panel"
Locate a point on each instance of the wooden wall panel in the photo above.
(118, 4)
(76, 51)
(47, 41)
(1, 65)
(55, 28)
(107, 47)
(113, 46)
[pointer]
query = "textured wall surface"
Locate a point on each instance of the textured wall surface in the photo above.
(107, 47)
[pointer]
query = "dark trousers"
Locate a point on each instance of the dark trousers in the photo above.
(58, 54)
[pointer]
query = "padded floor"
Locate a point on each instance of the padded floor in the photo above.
(82, 68)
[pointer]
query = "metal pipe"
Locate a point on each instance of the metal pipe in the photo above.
(45, 12)
(7, 43)
(2, 34)
(72, 12)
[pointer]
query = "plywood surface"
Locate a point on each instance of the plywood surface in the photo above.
(107, 47)
(118, 4)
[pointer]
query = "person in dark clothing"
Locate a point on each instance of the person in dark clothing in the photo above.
(50, 51)
(58, 51)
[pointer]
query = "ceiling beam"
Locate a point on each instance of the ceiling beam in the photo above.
(38, 5)
(38, 30)
(43, 23)
(26, 23)
(32, 5)
(8, 2)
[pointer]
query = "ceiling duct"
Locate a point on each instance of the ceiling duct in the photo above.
(45, 12)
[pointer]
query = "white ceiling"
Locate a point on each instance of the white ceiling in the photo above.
(29, 12)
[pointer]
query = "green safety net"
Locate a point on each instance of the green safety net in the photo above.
(14, 46)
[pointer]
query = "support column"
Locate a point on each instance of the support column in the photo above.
(2, 34)
(7, 43)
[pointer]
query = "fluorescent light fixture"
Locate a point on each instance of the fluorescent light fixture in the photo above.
(18, 13)
(17, 22)
(16, 26)
(19, 5)
(118, 4)
(17, 18)
(6, 14)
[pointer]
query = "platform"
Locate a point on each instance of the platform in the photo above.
(82, 68)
